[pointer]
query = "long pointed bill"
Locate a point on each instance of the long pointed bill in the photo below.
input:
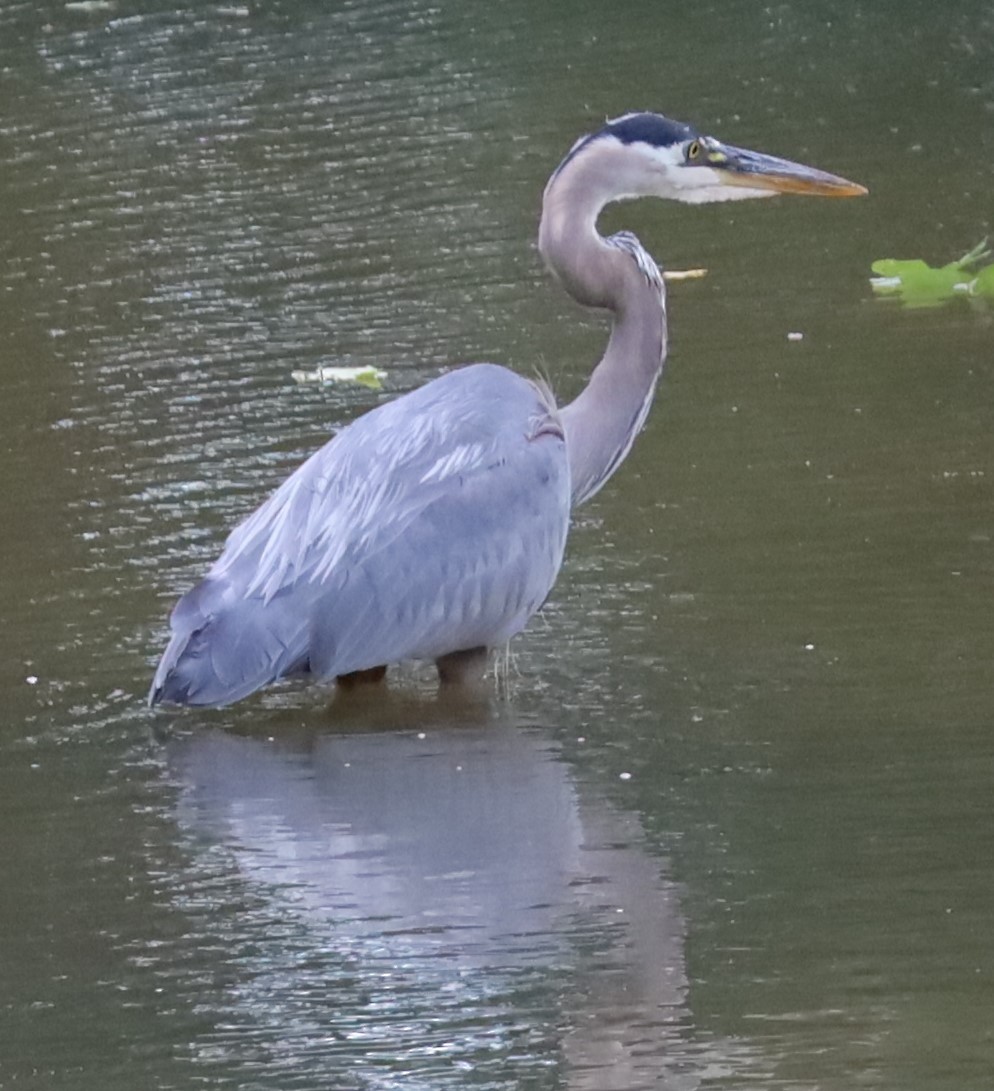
(754, 170)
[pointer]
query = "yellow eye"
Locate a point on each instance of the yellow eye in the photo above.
(694, 150)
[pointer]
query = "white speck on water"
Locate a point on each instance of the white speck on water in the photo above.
(624, 776)
(809, 647)
(32, 679)
(795, 336)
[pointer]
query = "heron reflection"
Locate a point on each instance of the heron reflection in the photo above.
(437, 898)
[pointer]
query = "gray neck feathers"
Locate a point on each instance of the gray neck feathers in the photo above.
(618, 275)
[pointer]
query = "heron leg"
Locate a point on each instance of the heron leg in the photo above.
(361, 678)
(465, 668)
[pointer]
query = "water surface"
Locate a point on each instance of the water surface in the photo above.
(731, 826)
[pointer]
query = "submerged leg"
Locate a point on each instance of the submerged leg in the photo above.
(465, 668)
(361, 678)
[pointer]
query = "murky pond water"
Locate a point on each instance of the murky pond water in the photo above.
(729, 822)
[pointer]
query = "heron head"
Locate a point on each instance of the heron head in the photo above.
(656, 157)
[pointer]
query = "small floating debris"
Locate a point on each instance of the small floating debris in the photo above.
(367, 376)
(684, 274)
(795, 336)
(90, 7)
(917, 284)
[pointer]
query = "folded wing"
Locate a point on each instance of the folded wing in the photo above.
(432, 524)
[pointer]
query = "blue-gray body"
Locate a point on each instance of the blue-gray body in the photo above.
(434, 523)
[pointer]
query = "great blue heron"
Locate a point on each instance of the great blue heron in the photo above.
(433, 527)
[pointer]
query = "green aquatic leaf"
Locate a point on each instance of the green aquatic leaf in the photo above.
(916, 284)
(983, 284)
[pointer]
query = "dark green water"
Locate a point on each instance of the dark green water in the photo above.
(733, 826)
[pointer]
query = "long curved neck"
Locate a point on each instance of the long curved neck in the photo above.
(616, 274)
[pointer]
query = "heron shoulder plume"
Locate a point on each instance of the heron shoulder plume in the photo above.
(433, 527)
(629, 244)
